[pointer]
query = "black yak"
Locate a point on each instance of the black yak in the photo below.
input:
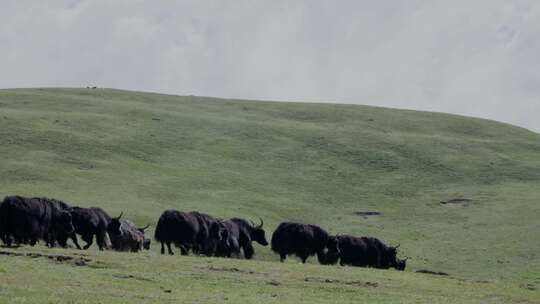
(303, 240)
(366, 252)
(225, 244)
(205, 244)
(125, 236)
(182, 229)
(89, 222)
(27, 220)
(239, 234)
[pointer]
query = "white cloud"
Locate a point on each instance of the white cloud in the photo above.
(467, 57)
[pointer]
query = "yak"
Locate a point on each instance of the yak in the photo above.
(182, 229)
(89, 222)
(303, 240)
(186, 230)
(58, 235)
(27, 220)
(239, 234)
(125, 236)
(225, 243)
(205, 244)
(366, 252)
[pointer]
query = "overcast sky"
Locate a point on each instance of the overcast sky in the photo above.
(479, 58)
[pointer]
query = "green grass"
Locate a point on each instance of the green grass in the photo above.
(142, 153)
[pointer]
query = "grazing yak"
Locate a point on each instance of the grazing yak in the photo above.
(125, 236)
(246, 233)
(191, 231)
(186, 230)
(27, 220)
(303, 240)
(205, 243)
(366, 252)
(89, 222)
(235, 234)
(225, 244)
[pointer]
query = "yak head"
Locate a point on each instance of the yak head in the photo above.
(330, 255)
(146, 244)
(332, 245)
(258, 234)
(393, 260)
(114, 225)
(141, 230)
(400, 264)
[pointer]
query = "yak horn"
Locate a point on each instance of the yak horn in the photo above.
(121, 213)
(262, 223)
(145, 227)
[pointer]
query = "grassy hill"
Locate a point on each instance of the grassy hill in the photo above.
(142, 153)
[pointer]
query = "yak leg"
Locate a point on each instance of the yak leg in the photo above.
(303, 256)
(100, 239)
(89, 239)
(74, 240)
(4, 239)
(248, 251)
(169, 248)
(282, 257)
(8, 241)
(184, 250)
(162, 248)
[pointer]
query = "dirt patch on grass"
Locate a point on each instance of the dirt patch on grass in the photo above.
(340, 282)
(133, 277)
(230, 269)
(457, 201)
(366, 214)
(432, 272)
(77, 261)
(528, 286)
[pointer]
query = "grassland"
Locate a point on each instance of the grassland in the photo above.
(142, 153)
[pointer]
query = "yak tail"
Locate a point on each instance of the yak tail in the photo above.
(158, 233)
(274, 243)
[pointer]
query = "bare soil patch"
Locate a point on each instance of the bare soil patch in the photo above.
(351, 283)
(457, 201)
(366, 214)
(432, 272)
(230, 269)
(77, 261)
(130, 276)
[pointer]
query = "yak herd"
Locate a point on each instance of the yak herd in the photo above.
(26, 220)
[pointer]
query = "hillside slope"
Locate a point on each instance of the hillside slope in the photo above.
(142, 153)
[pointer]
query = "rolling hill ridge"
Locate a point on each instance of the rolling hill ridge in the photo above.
(459, 194)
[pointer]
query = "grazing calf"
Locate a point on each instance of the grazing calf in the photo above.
(303, 240)
(89, 222)
(27, 220)
(125, 236)
(367, 252)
